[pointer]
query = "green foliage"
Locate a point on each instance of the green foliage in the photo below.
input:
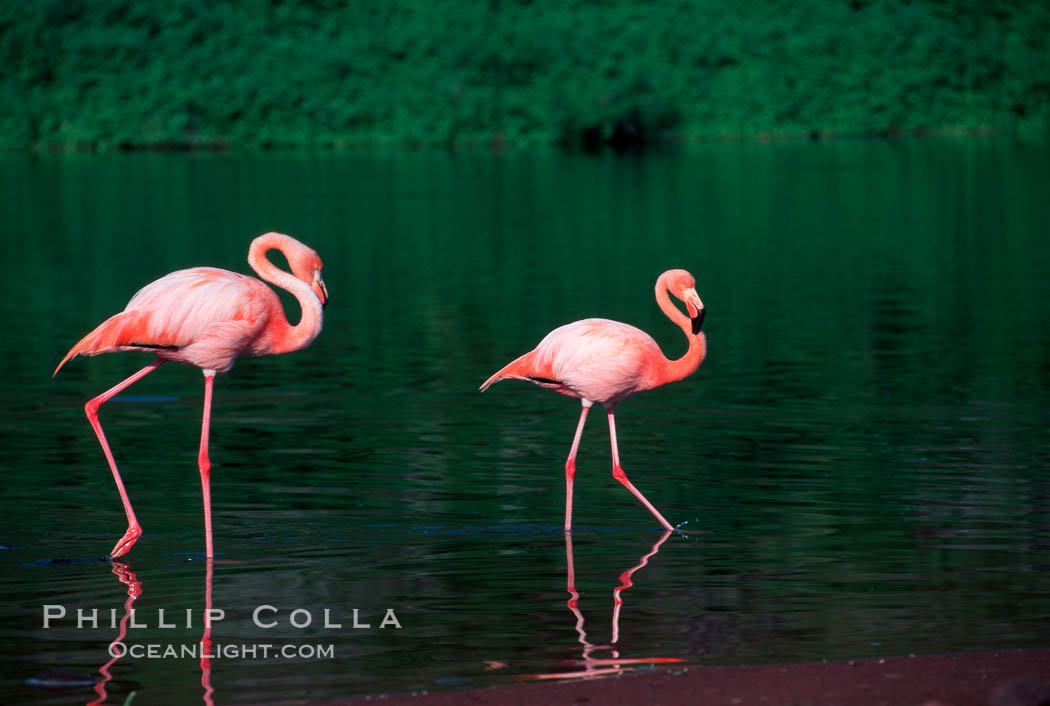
(310, 72)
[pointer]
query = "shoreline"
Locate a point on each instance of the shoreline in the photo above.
(994, 678)
(495, 142)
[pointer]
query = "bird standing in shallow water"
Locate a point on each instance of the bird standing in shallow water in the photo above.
(598, 360)
(207, 317)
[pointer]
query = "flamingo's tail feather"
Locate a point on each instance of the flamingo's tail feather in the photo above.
(117, 332)
(522, 368)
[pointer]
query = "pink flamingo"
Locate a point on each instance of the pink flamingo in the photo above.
(207, 317)
(598, 360)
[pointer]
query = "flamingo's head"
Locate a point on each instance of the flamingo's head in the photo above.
(682, 284)
(302, 260)
(306, 265)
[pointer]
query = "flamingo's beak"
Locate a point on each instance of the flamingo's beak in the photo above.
(321, 291)
(695, 307)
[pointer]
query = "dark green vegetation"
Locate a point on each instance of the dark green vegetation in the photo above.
(128, 73)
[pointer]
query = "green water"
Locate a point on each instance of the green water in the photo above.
(861, 461)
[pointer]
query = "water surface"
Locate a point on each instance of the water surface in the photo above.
(860, 463)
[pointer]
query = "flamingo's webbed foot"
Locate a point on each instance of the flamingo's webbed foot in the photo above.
(124, 545)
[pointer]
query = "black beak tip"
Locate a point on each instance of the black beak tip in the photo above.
(698, 321)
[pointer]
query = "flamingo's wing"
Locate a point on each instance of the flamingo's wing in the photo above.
(182, 307)
(593, 350)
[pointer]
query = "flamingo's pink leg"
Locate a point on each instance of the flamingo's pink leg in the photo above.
(619, 475)
(123, 546)
(570, 465)
(204, 463)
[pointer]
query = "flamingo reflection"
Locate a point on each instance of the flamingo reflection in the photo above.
(127, 577)
(206, 637)
(593, 667)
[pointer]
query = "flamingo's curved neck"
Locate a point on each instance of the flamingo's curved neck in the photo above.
(673, 370)
(285, 338)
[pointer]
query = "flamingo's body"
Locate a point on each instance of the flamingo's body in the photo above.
(598, 360)
(207, 317)
(592, 359)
